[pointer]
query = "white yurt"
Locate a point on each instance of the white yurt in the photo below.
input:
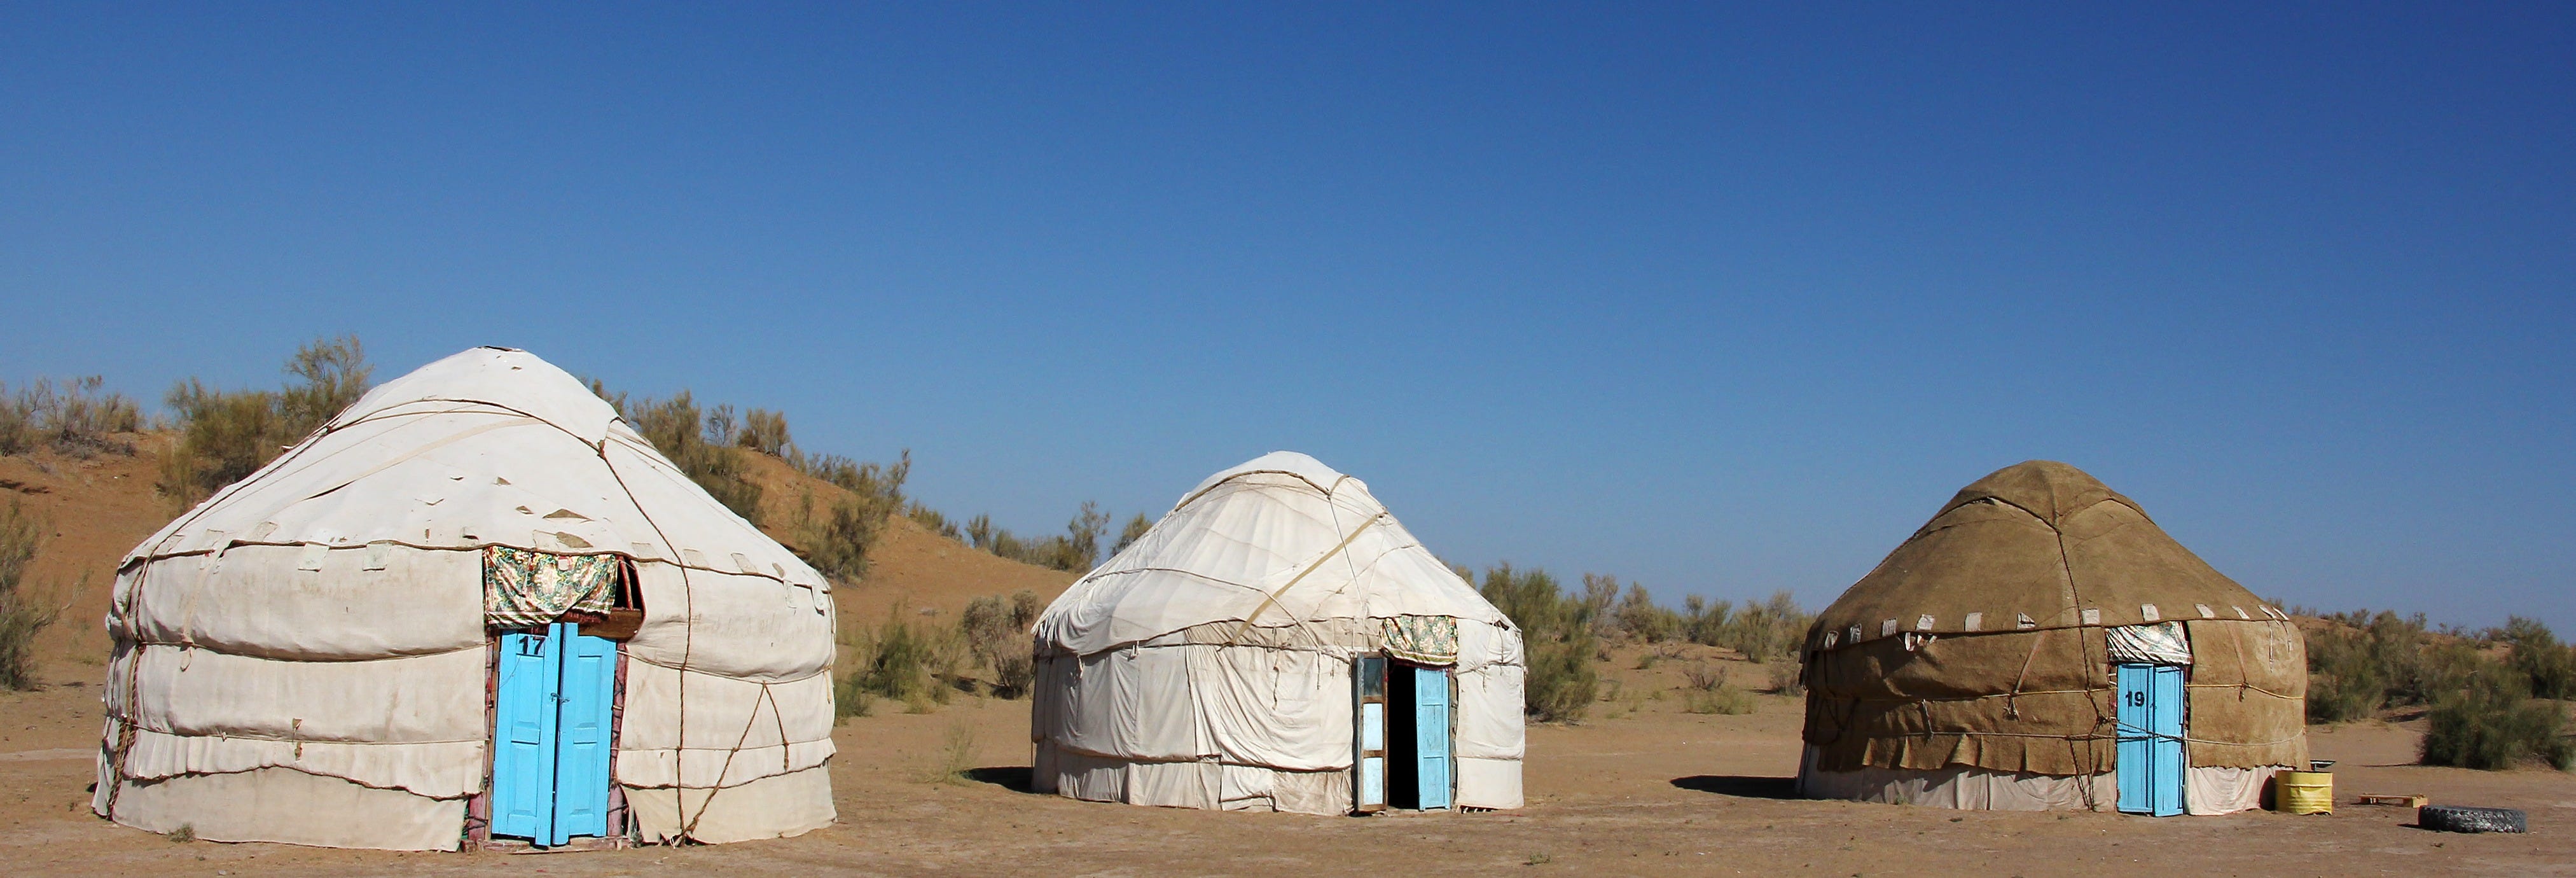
(1278, 642)
(475, 608)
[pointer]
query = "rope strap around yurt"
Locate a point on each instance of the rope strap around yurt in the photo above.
(525, 589)
(1427, 640)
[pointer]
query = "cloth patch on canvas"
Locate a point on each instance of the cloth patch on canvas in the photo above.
(1429, 640)
(525, 589)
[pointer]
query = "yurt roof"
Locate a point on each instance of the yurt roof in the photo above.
(491, 446)
(2038, 544)
(1279, 540)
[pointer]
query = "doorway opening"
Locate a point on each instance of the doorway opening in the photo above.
(557, 695)
(1419, 729)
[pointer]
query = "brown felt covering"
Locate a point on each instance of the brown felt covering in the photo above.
(2045, 541)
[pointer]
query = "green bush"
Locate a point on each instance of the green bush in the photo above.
(840, 540)
(2540, 658)
(2346, 681)
(1640, 619)
(1077, 550)
(1557, 636)
(75, 418)
(1788, 678)
(1763, 632)
(701, 445)
(914, 664)
(225, 435)
(1135, 530)
(996, 630)
(2493, 723)
(331, 374)
(931, 520)
(2360, 662)
(21, 617)
(17, 429)
(764, 431)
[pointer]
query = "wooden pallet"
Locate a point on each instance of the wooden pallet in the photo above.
(2407, 800)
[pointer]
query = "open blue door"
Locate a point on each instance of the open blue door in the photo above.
(581, 762)
(1368, 693)
(551, 729)
(1431, 735)
(2149, 750)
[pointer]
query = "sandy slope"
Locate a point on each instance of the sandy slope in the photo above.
(99, 508)
(911, 569)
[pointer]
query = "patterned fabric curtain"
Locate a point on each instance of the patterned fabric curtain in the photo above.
(526, 589)
(2159, 644)
(1428, 640)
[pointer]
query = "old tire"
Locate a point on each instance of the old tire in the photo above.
(2452, 818)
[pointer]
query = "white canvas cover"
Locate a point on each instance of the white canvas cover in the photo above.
(320, 625)
(1209, 665)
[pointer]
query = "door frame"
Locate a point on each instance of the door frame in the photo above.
(2151, 722)
(479, 808)
(1368, 733)
(1375, 769)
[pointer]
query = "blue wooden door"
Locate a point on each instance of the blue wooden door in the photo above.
(551, 735)
(523, 726)
(2149, 749)
(1431, 734)
(581, 758)
(1368, 691)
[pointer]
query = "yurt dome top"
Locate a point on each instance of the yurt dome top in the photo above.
(2035, 545)
(1279, 540)
(490, 446)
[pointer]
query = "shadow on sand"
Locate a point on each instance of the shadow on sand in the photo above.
(1740, 786)
(1010, 777)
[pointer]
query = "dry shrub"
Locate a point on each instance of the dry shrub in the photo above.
(2360, 662)
(2537, 655)
(1706, 690)
(75, 418)
(1639, 618)
(931, 520)
(225, 435)
(1788, 678)
(21, 617)
(764, 431)
(700, 444)
(330, 375)
(1557, 635)
(956, 754)
(1135, 530)
(1077, 550)
(997, 635)
(902, 661)
(2493, 723)
(839, 542)
(17, 430)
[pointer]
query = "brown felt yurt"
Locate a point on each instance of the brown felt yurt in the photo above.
(2041, 644)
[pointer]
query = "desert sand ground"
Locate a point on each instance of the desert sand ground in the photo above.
(1654, 791)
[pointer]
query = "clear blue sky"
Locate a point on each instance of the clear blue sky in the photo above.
(1718, 301)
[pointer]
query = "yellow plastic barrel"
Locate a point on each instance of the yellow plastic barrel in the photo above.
(2303, 792)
